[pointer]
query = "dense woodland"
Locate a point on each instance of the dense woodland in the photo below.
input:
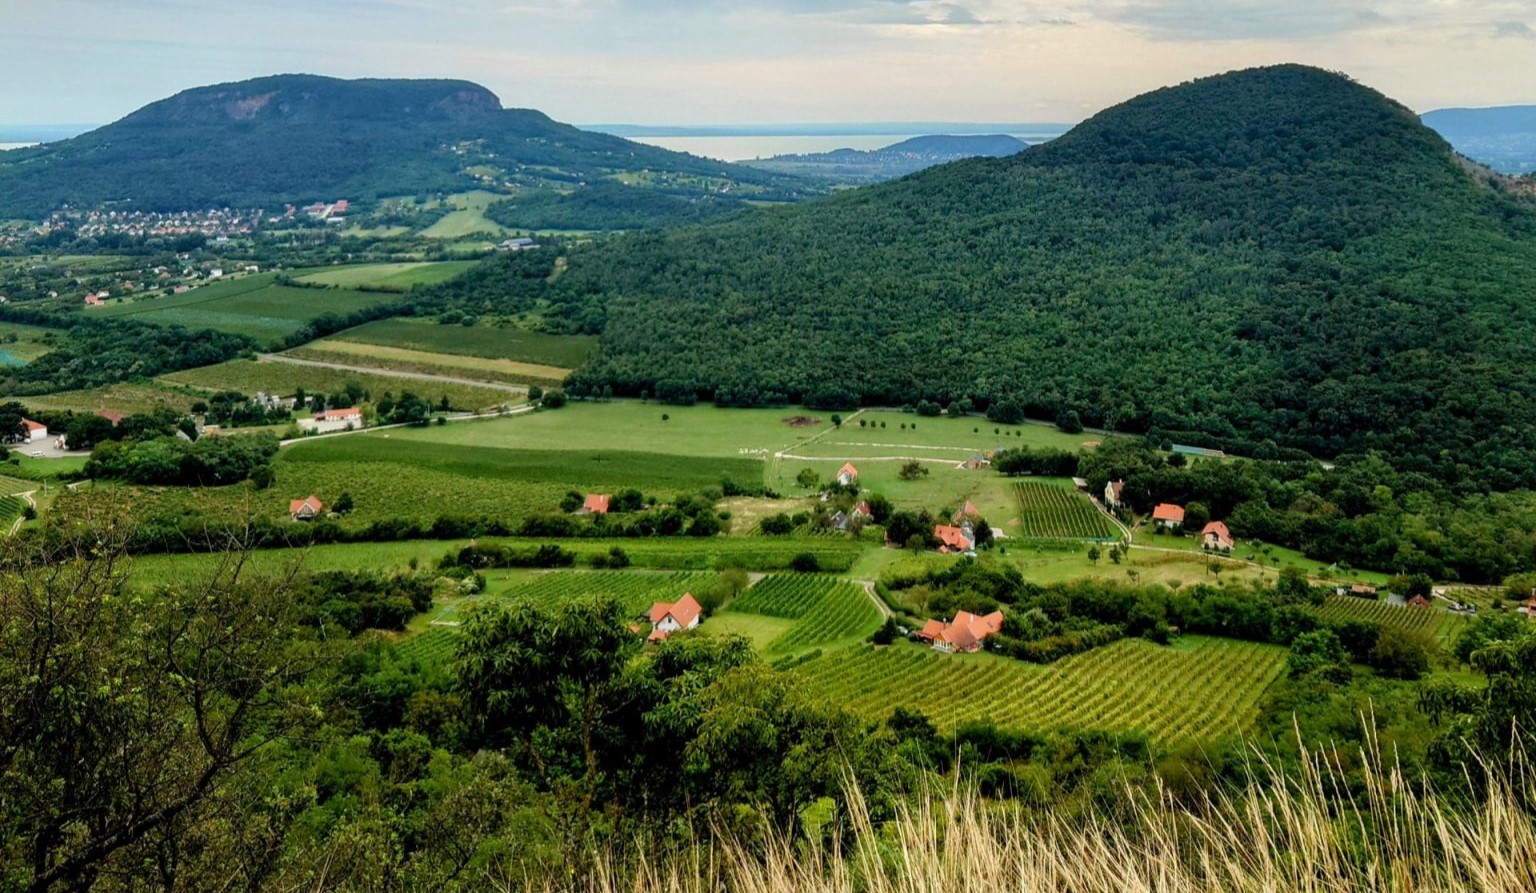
(1278, 254)
(607, 205)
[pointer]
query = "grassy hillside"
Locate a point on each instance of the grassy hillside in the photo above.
(1275, 254)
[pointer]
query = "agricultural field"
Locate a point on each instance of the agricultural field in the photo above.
(21, 344)
(1433, 621)
(390, 276)
(944, 489)
(467, 218)
(250, 305)
(433, 648)
(1051, 510)
(1203, 688)
(576, 468)
(820, 611)
(11, 508)
(481, 340)
(124, 397)
(250, 376)
(746, 435)
(350, 353)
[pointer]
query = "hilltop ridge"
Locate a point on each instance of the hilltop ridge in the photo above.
(1277, 254)
(301, 138)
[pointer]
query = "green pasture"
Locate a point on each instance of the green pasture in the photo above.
(250, 305)
(488, 341)
(398, 275)
(467, 218)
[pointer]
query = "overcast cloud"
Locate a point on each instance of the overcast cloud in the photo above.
(759, 61)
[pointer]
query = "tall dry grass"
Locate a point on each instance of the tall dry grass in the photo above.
(1300, 832)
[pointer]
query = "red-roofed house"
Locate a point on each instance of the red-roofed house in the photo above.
(1112, 493)
(328, 420)
(969, 510)
(92, 300)
(667, 619)
(36, 431)
(1216, 536)
(954, 539)
(305, 509)
(964, 634)
(862, 512)
(1168, 515)
(847, 475)
(595, 504)
(110, 415)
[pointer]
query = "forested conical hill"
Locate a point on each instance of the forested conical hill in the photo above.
(301, 138)
(1278, 253)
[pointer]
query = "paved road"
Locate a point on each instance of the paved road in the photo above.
(394, 373)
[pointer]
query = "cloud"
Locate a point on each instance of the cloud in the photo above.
(1236, 19)
(1514, 29)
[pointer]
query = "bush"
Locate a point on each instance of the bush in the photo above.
(805, 563)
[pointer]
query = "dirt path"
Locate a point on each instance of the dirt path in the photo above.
(869, 589)
(393, 373)
(16, 526)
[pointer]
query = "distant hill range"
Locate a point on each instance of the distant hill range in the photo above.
(897, 160)
(1278, 256)
(303, 138)
(1503, 137)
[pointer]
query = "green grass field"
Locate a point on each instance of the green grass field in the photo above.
(251, 305)
(939, 438)
(746, 434)
(1202, 689)
(250, 376)
(1052, 509)
(376, 356)
(490, 342)
(403, 275)
(30, 343)
(468, 217)
(673, 553)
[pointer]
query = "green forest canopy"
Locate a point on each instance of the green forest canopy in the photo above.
(1272, 254)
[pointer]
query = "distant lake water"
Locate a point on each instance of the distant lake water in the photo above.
(5, 146)
(746, 148)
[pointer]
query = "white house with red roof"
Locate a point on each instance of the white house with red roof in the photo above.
(36, 432)
(954, 539)
(1112, 493)
(1216, 537)
(1167, 515)
(847, 475)
(964, 634)
(305, 509)
(329, 420)
(668, 618)
(862, 512)
(595, 504)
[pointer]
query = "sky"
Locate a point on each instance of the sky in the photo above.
(759, 61)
